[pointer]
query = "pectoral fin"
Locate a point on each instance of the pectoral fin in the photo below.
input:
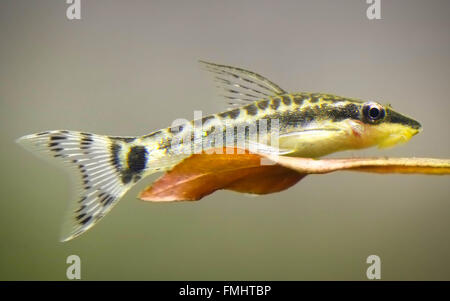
(312, 142)
(268, 150)
(310, 133)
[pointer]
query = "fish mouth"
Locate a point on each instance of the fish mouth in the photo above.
(413, 131)
(417, 131)
(415, 125)
(399, 136)
(399, 129)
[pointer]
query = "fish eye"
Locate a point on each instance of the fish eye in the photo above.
(373, 112)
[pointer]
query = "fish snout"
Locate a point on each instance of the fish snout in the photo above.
(398, 118)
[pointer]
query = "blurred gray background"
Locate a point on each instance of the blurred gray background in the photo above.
(130, 67)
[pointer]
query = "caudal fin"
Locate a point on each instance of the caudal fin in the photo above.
(95, 163)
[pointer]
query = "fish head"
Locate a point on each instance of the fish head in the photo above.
(385, 127)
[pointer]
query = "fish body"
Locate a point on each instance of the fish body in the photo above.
(306, 125)
(309, 124)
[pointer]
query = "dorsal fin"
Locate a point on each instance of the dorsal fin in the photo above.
(241, 86)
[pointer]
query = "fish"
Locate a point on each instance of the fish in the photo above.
(262, 116)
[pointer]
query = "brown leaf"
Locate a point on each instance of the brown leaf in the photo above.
(202, 174)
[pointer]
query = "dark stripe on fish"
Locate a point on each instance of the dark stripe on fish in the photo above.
(251, 109)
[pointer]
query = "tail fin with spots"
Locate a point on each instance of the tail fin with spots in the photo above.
(103, 167)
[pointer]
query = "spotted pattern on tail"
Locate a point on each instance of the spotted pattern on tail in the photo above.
(104, 168)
